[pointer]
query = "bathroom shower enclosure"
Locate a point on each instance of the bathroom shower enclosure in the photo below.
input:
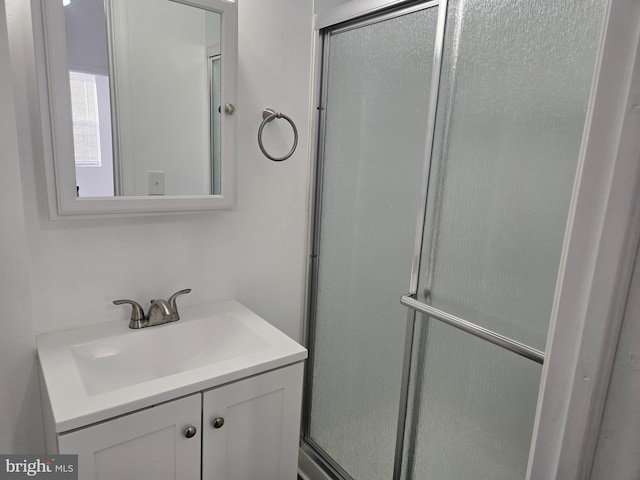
(452, 135)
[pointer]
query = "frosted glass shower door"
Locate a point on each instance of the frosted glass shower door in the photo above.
(515, 86)
(377, 80)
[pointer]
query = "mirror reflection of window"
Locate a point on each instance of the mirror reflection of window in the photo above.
(84, 113)
(85, 23)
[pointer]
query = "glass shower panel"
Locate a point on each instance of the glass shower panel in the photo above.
(513, 99)
(512, 105)
(476, 408)
(378, 84)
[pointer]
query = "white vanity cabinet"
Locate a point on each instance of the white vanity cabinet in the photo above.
(245, 430)
(146, 445)
(258, 438)
(124, 398)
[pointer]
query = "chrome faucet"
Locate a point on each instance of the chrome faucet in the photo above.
(160, 311)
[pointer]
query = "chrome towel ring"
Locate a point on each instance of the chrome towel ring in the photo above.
(269, 114)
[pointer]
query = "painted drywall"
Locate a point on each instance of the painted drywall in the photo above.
(618, 451)
(19, 398)
(255, 253)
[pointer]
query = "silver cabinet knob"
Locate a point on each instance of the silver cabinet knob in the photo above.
(217, 422)
(190, 431)
(229, 108)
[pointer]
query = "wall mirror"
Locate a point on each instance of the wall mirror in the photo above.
(141, 97)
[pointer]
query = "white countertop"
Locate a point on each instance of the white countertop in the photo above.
(101, 371)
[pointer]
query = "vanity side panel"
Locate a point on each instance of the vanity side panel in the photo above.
(50, 436)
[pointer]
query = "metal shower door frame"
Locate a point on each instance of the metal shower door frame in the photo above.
(355, 15)
(602, 237)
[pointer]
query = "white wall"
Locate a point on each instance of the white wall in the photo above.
(19, 404)
(618, 451)
(255, 254)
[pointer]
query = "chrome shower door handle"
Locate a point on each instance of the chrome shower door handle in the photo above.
(514, 346)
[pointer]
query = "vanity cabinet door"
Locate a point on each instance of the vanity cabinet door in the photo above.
(147, 445)
(251, 428)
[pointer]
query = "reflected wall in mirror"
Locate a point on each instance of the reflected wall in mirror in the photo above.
(137, 92)
(162, 89)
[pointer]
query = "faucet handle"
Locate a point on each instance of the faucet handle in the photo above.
(172, 299)
(137, 313)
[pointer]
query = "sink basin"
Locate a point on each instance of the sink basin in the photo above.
(94, 373)
(122, 360)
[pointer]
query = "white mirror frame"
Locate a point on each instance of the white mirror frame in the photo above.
(58, 129)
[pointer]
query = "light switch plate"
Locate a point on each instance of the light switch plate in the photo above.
(156, 182)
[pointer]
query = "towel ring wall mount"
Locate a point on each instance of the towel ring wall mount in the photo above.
(268, 114)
